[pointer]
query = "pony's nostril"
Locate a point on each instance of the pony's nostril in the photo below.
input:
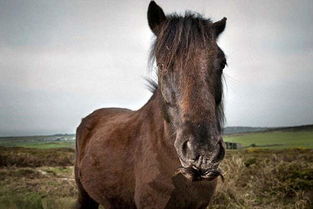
(189, 152)
(184, 148)
(189, 145)
(220, 153)
(192, 155)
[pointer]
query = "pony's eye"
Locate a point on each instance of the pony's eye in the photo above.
(162, 69)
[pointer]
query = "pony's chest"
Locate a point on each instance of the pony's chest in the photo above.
(189, 194)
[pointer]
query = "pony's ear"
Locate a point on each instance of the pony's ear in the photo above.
(219, 26)
(155, 17)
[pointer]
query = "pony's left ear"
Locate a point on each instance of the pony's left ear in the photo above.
(219, 26)
(156, 17)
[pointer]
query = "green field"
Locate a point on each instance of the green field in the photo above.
(40, 142)
(275, 139)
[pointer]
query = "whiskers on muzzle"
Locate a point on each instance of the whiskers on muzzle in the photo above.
(194, 174)
(201, 162)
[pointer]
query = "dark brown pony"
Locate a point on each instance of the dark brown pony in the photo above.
(166, 154)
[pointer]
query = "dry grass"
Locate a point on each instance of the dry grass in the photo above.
(37, 188)
(266, 179)
(260, 179)
(30, 157)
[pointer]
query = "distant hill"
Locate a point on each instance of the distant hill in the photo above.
(294, 128)
(246, 129)
(242, 129)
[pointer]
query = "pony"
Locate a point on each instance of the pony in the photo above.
(167, 153)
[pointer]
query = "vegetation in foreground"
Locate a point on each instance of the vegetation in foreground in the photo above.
(254, 178)
(257, 178)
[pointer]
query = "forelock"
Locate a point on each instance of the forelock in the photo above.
(180, 37)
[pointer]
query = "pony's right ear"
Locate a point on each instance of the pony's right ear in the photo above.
(219, 27)
(156, 17)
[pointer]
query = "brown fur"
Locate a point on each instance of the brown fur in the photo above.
(128, 159)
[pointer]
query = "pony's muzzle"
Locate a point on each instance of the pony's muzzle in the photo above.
(204, 156)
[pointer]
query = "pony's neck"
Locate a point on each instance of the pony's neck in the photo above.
(153, 113)
(152, 110)
(160, 134)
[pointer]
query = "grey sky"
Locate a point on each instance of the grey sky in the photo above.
(60, 60)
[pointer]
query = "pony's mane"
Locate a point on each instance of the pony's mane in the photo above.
(152, 84)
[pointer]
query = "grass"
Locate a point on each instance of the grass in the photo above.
(254, 178)
(37, 188)
(274, 139)
(39, 142)
(49, 145)
(276, 173)
(260, 179)
(28, 157)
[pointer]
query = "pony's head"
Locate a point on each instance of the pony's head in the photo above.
(190, 67)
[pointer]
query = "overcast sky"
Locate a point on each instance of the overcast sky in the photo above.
(60, 60)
